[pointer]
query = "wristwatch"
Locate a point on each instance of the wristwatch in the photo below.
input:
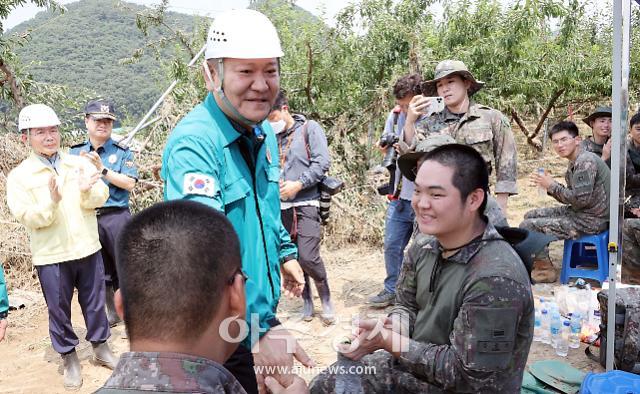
(104, 171)
(3, 315)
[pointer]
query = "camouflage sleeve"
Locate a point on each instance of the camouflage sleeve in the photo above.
(423, 128)
(505, 153)
(406, 307)
(633, 177)
(582, 181)
(483, 341)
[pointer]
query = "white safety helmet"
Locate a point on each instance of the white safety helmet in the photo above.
(242, 34)
(37, 115)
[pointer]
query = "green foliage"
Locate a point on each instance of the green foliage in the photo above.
(82, 50)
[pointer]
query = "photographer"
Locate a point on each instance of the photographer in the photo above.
(304, 161)
(399, 219)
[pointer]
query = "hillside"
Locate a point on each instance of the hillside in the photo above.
(82, 49)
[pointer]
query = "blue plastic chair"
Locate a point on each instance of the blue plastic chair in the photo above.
(581, 262)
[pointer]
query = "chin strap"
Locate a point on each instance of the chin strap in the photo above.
(219, 91)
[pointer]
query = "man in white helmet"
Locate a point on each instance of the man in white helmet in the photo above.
(225, 155)
(54, 195)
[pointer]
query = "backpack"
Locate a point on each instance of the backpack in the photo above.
(626, 351)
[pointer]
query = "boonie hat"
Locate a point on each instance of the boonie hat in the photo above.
(408, 162)
(600, 112)
(450, 67)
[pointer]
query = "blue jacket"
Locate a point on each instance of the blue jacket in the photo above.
(203, 161)
(4, 298)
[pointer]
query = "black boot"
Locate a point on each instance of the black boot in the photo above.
(110, 306)
(72, 371)
(328, 317)
(307, 297)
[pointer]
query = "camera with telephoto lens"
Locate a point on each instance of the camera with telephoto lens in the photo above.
(389, 162)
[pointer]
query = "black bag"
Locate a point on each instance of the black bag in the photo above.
(626, 350)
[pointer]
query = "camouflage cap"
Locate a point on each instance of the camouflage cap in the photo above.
(446, 68)
(600, 112)
(408, 162)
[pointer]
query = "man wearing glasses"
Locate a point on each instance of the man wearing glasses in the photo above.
(585, 198)
(54, 196)
(118, 170)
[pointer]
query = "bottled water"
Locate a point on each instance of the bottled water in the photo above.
(563, 339)
(541, 190)
(537, 326)
(544, 321)
(576, 328)
(555, 325)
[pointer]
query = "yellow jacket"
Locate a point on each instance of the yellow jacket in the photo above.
(63, 231)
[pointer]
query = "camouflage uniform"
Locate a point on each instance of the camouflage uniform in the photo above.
(632, 187)
(589, 145)
(587, 199)
(631, 251)
(469, 317)
(140, 372)
(485, 129)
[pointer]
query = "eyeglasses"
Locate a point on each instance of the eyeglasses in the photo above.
(562, 140)
(238, 271)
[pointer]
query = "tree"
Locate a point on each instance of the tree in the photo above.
(11, 86)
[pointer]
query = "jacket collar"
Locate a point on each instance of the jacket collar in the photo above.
(229, 132)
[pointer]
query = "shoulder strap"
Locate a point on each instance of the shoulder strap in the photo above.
(306, 138)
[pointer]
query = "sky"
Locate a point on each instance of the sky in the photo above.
(200, 7)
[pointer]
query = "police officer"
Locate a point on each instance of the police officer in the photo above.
(118, 170)
(54, 196)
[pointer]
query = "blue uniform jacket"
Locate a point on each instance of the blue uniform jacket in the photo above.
(115, 158)
(203, 161)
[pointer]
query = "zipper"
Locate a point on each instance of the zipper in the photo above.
(249, 159)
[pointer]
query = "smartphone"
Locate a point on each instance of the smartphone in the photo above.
(437, 105)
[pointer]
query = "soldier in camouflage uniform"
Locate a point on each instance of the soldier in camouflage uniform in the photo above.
(463, 319)
(586, 198)
(179, 341)
(632, 186)
(469, 123)
(631, 228)
(599, 142)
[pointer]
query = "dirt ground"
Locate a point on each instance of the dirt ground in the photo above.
(28, 364)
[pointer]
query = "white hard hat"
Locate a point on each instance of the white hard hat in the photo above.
(37, 115)
(242, 34)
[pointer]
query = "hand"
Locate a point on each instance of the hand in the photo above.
(289, 189)
(95, 159)
(375, 334)
(370, 336)
(299, 386)
(292, 278)
(418, 105)
(606, 150)
(54, 189)
(541, 180)
(86, 182)
(3, 328)
(636, 211)
(381, 149)
(278, 348)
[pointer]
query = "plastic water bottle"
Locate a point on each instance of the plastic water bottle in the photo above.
(576, 328)
(563, 340)
(537, 326)
(541, 190)
(544, 321)
(555, 325)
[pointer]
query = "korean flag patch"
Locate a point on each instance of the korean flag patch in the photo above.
(199, 184)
